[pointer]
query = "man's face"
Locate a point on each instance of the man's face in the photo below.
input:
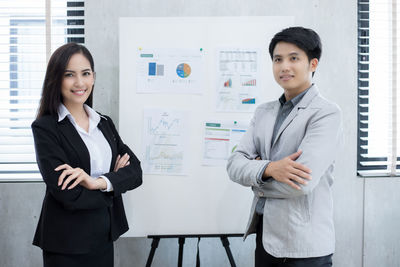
(291, 68)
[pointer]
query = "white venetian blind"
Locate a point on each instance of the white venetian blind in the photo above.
(30, 30)
(378, 83)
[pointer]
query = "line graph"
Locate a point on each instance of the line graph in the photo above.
(165, 141)
(163, 126)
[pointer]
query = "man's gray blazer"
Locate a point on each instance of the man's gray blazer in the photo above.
(296, 223)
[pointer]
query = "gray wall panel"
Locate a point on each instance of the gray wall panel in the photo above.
(19, 213)
(382, 217)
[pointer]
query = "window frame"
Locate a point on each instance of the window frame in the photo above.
(73, 31)
(364, 169)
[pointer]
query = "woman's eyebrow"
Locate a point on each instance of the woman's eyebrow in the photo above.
(81, 70)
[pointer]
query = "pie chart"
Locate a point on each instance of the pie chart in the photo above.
(183, 70)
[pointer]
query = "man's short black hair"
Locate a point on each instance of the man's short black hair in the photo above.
(305, 39)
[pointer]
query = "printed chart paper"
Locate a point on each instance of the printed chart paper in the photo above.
(220, 140)
(238, 80)
(165, 70)
(165, 137)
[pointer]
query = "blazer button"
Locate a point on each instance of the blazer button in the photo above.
(260, 194)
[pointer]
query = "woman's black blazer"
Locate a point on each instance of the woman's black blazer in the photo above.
(79, 220)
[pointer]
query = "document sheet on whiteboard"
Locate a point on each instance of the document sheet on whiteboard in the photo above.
(220, 140)
(238, 74)
(164, 142)
(167, 70)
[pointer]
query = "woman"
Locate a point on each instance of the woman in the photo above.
(84, 163)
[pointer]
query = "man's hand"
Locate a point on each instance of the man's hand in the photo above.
(288, 171)
(80, 177)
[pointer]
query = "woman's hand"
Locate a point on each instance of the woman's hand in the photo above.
(121, 162)
(80, 176)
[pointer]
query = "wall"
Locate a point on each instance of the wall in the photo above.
(366, 213)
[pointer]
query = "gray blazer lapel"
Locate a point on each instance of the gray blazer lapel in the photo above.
(76, 142)
(286, 123)
(269, 124)
(304, 102)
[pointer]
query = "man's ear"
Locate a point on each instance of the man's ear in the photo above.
(313, 64)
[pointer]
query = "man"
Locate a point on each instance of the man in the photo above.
(287, 157)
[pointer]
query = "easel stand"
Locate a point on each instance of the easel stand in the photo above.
(181, 242)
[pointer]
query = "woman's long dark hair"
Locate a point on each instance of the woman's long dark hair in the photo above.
(51, 91)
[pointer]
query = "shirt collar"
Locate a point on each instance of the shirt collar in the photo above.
(94, 117)
(295, 100)
(63, 112)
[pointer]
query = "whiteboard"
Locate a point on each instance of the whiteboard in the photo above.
(205, 200)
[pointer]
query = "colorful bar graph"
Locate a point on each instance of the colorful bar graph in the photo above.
(250, 83)
(152, 69)
(249, 101)
(228, 83)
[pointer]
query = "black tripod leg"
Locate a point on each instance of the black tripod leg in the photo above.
(154, 246)
(181, 241)
(225, 243)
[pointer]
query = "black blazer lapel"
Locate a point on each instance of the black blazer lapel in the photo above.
(110, 137)
(75, 141)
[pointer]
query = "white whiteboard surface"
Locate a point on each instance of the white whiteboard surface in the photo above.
(205, 201)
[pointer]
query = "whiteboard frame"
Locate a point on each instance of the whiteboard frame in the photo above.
(205, 201)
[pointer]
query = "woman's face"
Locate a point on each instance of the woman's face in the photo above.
(77, 82)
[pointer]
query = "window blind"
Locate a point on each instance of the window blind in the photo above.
(30, 30)
(378, 100)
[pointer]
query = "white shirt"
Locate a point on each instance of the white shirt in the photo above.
(97, 145)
